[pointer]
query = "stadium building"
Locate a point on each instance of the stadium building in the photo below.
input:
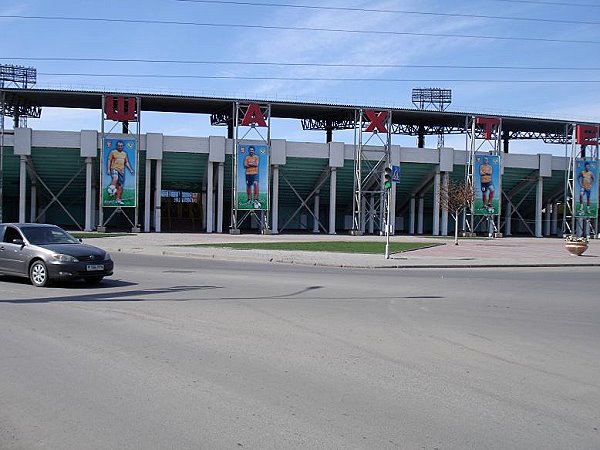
(179, 183)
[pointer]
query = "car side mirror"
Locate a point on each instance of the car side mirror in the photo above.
(18, 242)
(80, 240)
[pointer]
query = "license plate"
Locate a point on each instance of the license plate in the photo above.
(92, 267)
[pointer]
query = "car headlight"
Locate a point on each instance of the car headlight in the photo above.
(107, 256)
(64, 258)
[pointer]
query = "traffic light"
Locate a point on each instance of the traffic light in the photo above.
(387, 177)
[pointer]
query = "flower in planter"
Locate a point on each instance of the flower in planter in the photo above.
(582, 239)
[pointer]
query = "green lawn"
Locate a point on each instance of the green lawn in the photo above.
(94, 234)
(326, 246)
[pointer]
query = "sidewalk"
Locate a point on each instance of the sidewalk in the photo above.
(500, 252)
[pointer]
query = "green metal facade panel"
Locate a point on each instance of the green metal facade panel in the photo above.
(183, 171)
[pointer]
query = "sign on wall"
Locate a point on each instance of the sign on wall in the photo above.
(119, 180)
(486, 174)
(586, 194)
(252, 177)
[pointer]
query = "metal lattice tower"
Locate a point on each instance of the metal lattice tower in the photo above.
(484, 136)
(251, 121)
(584, 148)
(369, 164)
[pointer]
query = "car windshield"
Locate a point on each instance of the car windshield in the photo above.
(48, 235)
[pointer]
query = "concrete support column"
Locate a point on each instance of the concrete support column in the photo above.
(507, 219)
(33, 203)
(363, 218)
(88, 195)
(555, 219)
(371, 214)
(411, 226)
(421, 215)
(157, 195)
(548, 219)
(445, 183)
(538, 207)
(147, 195)
(220, 195)
(436, 203)
(22, 187)
(275, 200)
(210, 198)
(332, 199)
(316, 213)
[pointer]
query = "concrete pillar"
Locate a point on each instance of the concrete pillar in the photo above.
(22, 187)
(210, 198)
(421, 214)
(445, 182)
(157, 195)
(411, 227)
(538, 207)
(220, 195)
(507, 219)
(371, 214)
(89, 198)
(332, 199)
(147, 195)
(555, 219)
(33, 202)
(363, 218)
(316, 213)
(548, 219)
(436, 203)
(275, 200)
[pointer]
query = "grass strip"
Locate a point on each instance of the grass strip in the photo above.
(370, 247)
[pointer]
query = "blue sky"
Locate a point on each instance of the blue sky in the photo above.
(522, 45)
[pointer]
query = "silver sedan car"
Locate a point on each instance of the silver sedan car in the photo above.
(43, 253)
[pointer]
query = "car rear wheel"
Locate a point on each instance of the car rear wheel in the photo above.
(93, 280)
(38, 274)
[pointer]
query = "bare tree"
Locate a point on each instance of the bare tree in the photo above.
(457, 196)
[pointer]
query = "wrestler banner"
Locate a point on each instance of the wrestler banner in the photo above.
(119, 179)
(486, 182)
(586, 190)
(252, 177)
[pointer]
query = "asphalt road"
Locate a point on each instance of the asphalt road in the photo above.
(188, 354)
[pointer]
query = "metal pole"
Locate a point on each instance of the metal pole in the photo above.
(387, 225)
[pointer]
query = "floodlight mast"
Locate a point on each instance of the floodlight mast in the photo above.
(20, 77)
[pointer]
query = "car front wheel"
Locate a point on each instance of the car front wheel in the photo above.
(38, 274)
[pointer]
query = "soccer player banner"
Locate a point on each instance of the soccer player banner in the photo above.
(252, 177)
(119, 180)
(586, 192)
(486, 174)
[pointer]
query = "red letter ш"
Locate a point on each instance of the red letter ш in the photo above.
(586, 134)
(376, 119)
(254, 116)
(488, 125)
(119, 111)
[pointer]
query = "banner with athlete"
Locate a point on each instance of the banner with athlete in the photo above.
(486, 174)
(119, 180)
(252, 177)
(586, 190)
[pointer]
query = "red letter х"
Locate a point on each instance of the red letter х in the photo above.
(376, 119)
(254, 116)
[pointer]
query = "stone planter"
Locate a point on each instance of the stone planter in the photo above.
(576, 248)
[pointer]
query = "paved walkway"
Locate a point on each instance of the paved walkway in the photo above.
(500, 252)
